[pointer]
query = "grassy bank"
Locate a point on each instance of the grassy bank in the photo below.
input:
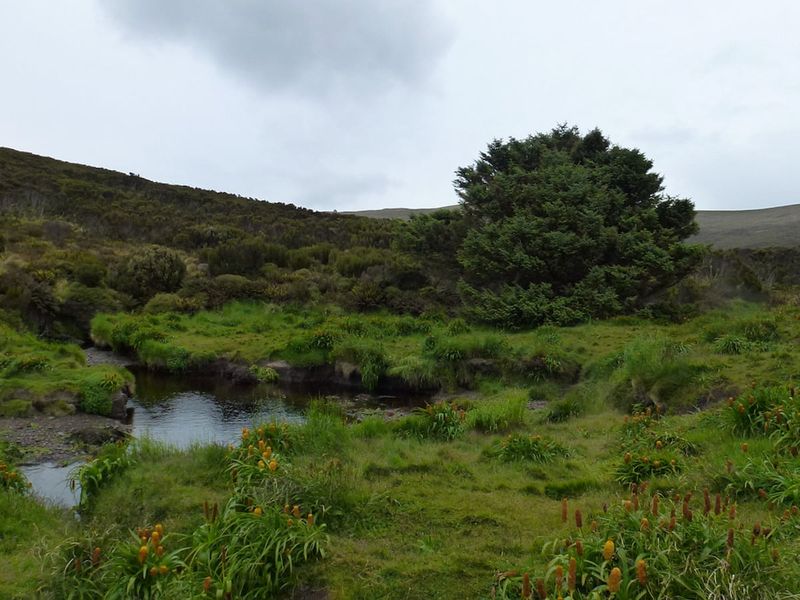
(52, 378)
(620, 362)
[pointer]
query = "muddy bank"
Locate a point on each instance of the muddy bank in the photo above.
(63, 439)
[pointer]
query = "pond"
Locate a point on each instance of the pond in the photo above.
(183, 410)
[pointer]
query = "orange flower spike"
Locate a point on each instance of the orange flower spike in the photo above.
(159, 528)
(296, 511)
(310, 519)
(143, 552)
(729, 541)
(245, 433)
(654, 506)
(540, 589)
(628, 505)
(155, 538)
(206, 584)
(153, 571)
(745, 447)
(257, 511)
(732, 512)
(267, 452)
(261, 465)
(526, 586)
(564, 510)
(273, 465)
(261, 445)
(579, 547)
(644, 524)
(717, 504)
(160, 551)
(593, 526)
(578, 519)
(706, 501)
(608, 550)
(572, 574)
(614, 580)
(96, 557)
(635, 501)
(641, 572)
(627, 458)
(163, 569)
(559, 577)
(286, 509)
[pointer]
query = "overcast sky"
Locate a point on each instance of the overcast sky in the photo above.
(354, 104)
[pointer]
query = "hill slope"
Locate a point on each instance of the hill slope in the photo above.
(724, 229)
(124, 206)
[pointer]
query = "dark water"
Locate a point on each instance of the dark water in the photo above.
(182, 410)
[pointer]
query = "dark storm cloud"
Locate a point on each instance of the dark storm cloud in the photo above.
(323, 45)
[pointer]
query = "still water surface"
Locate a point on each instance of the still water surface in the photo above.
(182, 410)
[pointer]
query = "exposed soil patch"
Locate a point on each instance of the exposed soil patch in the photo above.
(60, 439)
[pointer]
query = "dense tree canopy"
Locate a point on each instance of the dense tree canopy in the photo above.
(562, 227)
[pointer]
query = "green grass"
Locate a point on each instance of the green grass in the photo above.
(429, 506)
(51, 377)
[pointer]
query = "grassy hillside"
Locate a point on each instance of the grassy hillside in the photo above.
(723, 229)
(123, 206)
(761, 228)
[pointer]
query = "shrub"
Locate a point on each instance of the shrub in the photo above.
(155, 269)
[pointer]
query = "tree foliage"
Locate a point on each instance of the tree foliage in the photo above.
(155, 269)
(562, 227)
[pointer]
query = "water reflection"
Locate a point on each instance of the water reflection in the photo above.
(50, 482)
(183, 410)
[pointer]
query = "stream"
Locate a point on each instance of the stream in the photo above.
(181, 410)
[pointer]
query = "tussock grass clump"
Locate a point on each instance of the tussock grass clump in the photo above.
(500, 415)
(442, 420)
(530, 448)
(654, 371)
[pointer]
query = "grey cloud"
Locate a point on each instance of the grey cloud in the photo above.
(317, 46)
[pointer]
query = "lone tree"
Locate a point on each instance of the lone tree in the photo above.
(562, 227)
